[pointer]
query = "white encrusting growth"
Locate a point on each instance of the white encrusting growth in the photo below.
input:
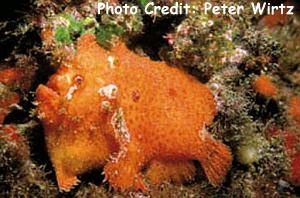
(119, 125)
(109, 91)
(111, 62)
(122, 134)
(71, 91)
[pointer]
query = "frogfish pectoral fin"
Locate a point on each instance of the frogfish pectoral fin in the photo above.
(65, 181)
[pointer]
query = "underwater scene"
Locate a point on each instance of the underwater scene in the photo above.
(141, 98)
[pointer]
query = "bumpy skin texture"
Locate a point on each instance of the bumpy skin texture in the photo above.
(177, 172)
(105, 102)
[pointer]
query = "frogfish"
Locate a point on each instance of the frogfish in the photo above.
(126, 113)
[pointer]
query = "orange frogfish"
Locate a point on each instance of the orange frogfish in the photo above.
(128, 113)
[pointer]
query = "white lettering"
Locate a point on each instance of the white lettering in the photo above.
(290, 11)
(258, 9)
(222, 9)
(149, 8)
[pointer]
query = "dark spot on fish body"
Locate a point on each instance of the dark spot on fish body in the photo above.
(172, 92)
(136, 95)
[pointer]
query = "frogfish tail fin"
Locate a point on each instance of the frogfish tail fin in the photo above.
(216, 161)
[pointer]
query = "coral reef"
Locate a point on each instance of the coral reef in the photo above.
(12, 81)
(20, 177)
